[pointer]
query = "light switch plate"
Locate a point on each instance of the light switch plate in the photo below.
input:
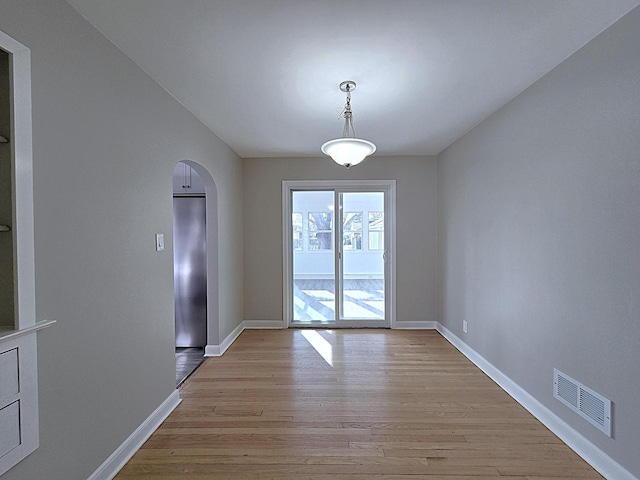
(159, 242)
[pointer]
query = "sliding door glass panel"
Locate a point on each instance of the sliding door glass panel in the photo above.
(362, 256)
(313, 257)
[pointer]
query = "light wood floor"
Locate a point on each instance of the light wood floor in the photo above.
(373, 404)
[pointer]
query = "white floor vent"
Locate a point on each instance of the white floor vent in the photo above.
(590, 405)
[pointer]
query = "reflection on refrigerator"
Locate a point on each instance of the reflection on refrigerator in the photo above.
(190, 271)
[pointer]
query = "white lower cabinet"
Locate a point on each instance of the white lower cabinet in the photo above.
(18, 399)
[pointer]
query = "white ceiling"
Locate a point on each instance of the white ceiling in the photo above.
(264, 74)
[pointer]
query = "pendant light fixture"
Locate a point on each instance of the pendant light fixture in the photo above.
(348, 150)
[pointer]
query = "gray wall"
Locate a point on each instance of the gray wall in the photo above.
(6, 239)
(538, 225)
(539, 234)
(416, 218)
(105, 140)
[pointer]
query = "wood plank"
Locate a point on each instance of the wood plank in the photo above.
(392, 405)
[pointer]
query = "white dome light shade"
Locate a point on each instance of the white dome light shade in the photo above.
(348, 151)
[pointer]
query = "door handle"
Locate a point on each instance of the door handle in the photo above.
(384, 256)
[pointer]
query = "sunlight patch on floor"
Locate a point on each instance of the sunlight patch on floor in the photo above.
(320, 344)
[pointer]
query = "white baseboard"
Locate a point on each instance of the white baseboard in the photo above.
(261, 324)
(218, 350)
(212, 351)
(414, 325)
(595, 457)
(112, 465)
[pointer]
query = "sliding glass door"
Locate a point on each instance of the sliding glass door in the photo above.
(314, 277)
(361, 259)
(336, 255)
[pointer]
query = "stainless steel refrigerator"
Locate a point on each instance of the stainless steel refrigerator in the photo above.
(190, 271)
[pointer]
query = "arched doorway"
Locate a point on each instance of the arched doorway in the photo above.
(195, 265)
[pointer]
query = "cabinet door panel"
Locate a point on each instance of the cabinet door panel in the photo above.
(8, 374)
(10, 428)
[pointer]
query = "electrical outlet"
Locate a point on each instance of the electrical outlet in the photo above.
(465, 327)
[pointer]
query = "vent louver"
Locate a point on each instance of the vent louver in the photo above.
(590, 405)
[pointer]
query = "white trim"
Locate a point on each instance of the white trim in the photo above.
(415, 325)
(391, 248)
(112, 465)
(287, 260)
(218, 350)
(235, 333)
(22, 181)
(212, 351)
(8, 333)
(595, 457)
(263, 324)
(340, 184)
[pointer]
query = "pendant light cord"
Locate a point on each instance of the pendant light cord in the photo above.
(348, 131)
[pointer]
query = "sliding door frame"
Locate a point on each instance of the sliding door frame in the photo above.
(389, 187)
